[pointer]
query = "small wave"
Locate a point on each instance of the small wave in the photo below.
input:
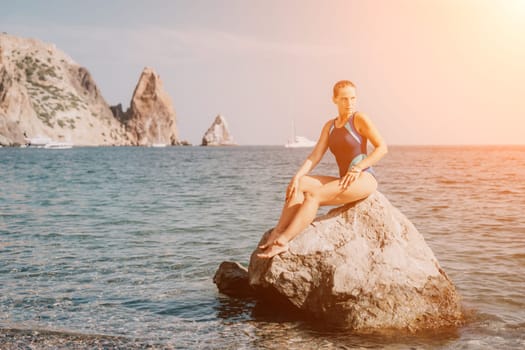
(506, 219)
(517, 256)
(517, 327)
(439, 207)
(445, 181)
(507, 191)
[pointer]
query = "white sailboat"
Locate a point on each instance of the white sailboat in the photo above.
(299, 141)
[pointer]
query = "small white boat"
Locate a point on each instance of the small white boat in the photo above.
(58, 145)
(300, 142)
(158, 145)
(38, 142)
(47, 143)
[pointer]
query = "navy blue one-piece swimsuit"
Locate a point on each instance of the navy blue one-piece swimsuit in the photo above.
(346, 144)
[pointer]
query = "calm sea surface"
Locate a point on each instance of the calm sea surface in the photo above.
(124, 242)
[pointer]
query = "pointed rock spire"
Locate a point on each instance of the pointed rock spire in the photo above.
(151, 116)
(218, 134)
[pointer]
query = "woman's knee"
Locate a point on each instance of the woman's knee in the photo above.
(311, 196)
(309, 189)
(305, 183)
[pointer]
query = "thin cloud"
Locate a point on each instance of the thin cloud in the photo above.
(203, 40)
(173, 45)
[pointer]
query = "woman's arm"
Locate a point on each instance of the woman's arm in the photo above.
(317, 154)
(367, 129)
(311, 161)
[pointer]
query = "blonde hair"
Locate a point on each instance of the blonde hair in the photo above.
(342, 84)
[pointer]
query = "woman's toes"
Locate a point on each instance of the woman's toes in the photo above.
(264, 246)
(275, 249)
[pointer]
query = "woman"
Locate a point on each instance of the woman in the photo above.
(346, 136)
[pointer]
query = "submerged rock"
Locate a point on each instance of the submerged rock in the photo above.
(362, 266)
(218, 134)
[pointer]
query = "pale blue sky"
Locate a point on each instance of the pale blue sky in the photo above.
(428, 72)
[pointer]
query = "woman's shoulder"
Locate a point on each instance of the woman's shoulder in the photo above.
(328, 124)
(360, 117)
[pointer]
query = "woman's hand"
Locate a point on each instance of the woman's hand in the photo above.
(291, 191)
(349, 177)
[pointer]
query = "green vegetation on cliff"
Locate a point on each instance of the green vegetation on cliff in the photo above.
(46, 98)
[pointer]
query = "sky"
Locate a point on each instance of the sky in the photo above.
(428, 72)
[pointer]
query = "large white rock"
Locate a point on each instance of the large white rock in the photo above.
(363, 266)
(218, 134)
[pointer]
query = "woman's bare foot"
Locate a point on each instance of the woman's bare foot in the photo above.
(274, 249)
(271, 239)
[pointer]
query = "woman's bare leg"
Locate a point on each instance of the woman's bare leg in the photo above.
(329, 194)
(307, 183)
(288, 213)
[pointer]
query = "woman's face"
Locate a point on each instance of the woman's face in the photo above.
(345, 100)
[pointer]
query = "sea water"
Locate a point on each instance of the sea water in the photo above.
(124, 242)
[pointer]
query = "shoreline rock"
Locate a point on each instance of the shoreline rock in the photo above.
(232, 279)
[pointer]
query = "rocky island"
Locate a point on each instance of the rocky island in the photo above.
(218, 134)
(362, 266)
(150, 119)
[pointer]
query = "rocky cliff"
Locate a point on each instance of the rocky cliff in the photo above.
(43, 92)
(218, 134)
(150, 118)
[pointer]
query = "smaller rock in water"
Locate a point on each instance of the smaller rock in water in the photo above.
(232, 279)
(218, 134)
